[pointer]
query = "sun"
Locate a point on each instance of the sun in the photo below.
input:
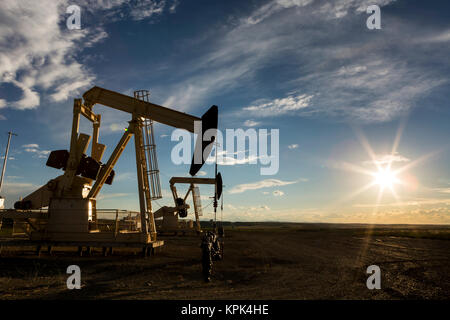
(385, 178)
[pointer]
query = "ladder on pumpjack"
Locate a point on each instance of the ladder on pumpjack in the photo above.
(147, 149)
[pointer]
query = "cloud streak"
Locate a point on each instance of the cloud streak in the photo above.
(336, 68)
(34, 149)
(382, 160)
(266, 183)
(279, 107)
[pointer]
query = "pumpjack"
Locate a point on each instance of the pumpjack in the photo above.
(63, 211)
(168, 217)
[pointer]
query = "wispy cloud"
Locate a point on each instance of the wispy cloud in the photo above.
(145, 9)
(271, 8)
(382, 160)
(342, 73)
(443, 190)
(261, 184)
(18, 188)
(34, 149)
(38, 54)
(31, 145)
(251, 123)
(124, 176)
(293, 146)
(279, 107)
(338, 74)
(436, 38)
(173, 6)
(43, 57)
(226, 158)
(418, 202)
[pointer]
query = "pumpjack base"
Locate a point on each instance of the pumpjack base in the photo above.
(147, 248)
(94, 236)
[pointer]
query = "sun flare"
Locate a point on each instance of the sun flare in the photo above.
(385, 178)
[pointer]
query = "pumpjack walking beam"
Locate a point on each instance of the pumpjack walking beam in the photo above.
(139, 108)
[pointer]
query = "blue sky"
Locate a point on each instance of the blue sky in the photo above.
(310, 68)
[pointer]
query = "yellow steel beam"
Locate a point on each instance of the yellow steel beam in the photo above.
(87, 112)
(139, 108)
(104, 173)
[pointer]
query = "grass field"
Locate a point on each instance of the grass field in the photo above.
(262, 261)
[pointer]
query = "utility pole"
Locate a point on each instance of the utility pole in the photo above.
(6, 158)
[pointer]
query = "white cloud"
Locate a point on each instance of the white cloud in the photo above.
(192, 91)
(391, 85)
(441, 37)
(273, 7)
(443, 190)
(386, 159)
(201, 173)
(95, 37)
(38, 52)
(351, 70)
(260, 184)
(115, 10)
(9, 158)
(34, 148)
(31, 145)
(233, 158)
(173, 7)
(229, 161)
(251, 123)
(335, 10)
(416, 202)
(246, 45)
(280, 106)
(18, 188)
(145, 9)
(293, 146)
(354, 87)
(125, 176)
(349, 76)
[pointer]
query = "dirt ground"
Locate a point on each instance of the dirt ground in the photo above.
(281, 261)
